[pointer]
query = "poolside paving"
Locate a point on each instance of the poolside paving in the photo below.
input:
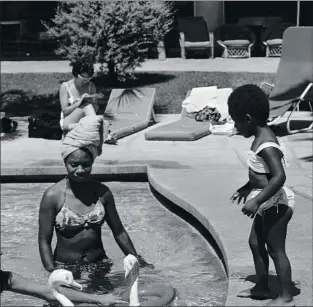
(266, 65)
(200, 177)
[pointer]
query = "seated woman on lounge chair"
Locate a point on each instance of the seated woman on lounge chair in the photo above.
(78, 99)
(78, 96)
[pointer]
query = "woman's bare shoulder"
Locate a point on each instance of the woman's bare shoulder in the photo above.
(53, 193)
(102, 189)
(65, 84)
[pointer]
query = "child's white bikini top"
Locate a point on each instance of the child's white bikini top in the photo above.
(257, 163)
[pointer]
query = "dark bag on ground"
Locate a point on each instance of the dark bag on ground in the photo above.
(45, 126)
(8, 125)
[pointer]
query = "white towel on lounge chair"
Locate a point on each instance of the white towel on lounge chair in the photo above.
(210, 96)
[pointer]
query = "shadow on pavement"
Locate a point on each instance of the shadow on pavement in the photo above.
(273, 285)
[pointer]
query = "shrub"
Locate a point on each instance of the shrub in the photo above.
(115, 33)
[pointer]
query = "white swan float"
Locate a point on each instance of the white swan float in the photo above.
(62, 278)
(165, 294)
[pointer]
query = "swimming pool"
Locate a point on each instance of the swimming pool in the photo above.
(182, 257)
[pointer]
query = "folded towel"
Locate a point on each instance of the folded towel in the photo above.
(85, 135)
(225, 129)
(199, 98)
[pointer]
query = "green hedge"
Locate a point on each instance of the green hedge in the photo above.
(30, 93)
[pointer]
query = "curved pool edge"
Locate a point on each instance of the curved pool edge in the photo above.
(189, 208)
(56, 173)
(138, 172)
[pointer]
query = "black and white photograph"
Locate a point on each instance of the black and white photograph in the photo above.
(156, 153)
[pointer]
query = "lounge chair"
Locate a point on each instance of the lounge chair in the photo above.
(272, 38)
(194, 35)
(129, 110)
(187, 128)
(235, 40)
(184, 129)
(294, 79)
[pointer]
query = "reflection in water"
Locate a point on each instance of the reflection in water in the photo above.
(181, 256)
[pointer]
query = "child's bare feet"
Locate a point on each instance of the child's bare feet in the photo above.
(279, 301)
(256, 293)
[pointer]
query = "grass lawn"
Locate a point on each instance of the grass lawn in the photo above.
(25, 94)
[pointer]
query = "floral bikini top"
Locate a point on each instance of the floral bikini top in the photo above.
(67, 219)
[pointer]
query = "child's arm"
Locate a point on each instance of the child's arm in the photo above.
(272, 158)
(242, 193)
(247, 186)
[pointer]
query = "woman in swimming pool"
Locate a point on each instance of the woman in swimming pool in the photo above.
(78, 205)
(269, 202)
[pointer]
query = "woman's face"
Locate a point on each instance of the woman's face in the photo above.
(83, 78)
(79, 165)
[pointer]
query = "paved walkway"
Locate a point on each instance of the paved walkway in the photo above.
(199, 176)
(266, 65)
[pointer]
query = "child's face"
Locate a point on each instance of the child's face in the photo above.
(243, 125)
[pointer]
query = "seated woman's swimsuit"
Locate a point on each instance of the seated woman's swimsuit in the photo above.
(71, 97)
(66, 219)
(257, 164)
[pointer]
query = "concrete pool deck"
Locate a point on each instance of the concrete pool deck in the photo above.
(200, 177)
(265, 65)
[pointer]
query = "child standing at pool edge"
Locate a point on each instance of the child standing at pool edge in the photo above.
(269, 202)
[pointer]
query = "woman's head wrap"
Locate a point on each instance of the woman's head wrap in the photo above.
(85, 135)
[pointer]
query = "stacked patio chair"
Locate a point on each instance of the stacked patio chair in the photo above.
(194, 35)
(235, 40)
(273, 38)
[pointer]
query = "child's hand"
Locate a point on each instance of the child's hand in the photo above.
(250, 208)
(240, 194)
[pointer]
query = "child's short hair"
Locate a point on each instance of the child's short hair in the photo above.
(249, 99)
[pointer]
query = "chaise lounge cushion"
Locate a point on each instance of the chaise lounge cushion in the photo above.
(272, 42)
(185, 129)
(197, 44)
(236, 42)
(133, 114)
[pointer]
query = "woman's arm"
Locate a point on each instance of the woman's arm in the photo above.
(272, 158)
(21, 285)
(47, 214)
(66, 108)
(120, 234)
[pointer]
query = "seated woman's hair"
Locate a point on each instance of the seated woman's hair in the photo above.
(81, 67)
(249, 99)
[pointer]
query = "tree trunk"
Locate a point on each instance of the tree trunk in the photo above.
(161, 51)
(111, 69)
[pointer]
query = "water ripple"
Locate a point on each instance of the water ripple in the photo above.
(181, 256)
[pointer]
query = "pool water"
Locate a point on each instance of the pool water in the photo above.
(182, 257)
